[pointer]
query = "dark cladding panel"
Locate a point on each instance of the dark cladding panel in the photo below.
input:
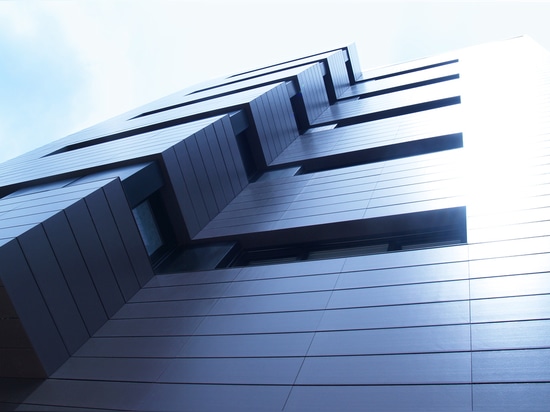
(211, 176)
(92, 250)
(31, 308)
(511, 397)
(262, 128)
(200, 173)
(240, 346)
(181, 192)
(75, 272)
(231, 159)
(171, 397)
(129, 232)
(194, 189)
(53, 286)
(447, 338)
(338, 73)
(529, 365)
(433, 368)
(383, 398)
(221, 173)
(112, 243)
(273, 132)
(235, 371)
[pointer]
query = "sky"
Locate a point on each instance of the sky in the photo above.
(68, 64)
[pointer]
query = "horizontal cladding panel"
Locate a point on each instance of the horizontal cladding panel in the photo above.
(44, 196)
(234, 371)
(30, 211)
(428, 314)
(133, 347)
(431, 339)
(429, 182)
(419, 64)
(260, 323)
(384, 398)
(513, 247)
(403, 275)
(435, 368)
(171, 397)
(237, 346)
(409, 258)
(321, 218)
(272, 303)
(165, 309)
(112, 369)
(180, 293)
(401, 80)
(516, 285)
(530, 365)
(195, 278)
(434, 204)
(399, 295)
(282, 285)
(100, 155)
(283, 66)
(236, 84)
(345, 109)
(83, 395)
(495, 220)
(513, 232)
(14, 231)
(510, 265)
(511, 396)
(149, 327)
(511, 308)
(304, 268)
(372, 135)
(204, 108)
(510, 335)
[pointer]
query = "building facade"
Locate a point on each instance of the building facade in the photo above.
(305, 236)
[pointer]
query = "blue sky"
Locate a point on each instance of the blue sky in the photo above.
(66, 65)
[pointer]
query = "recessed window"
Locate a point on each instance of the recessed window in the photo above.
(148, 227)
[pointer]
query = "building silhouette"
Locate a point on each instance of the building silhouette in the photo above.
(305, 236)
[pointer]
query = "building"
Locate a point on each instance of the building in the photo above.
(304, 236)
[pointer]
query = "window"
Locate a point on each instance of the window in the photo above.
(155, 228)
(148, 227)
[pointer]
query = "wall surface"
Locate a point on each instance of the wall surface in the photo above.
(392, 255)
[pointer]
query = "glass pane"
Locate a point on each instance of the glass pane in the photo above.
(147, 227)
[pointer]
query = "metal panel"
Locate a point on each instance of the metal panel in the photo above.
(392, 341)
(75, 272)
(239, 346)
(53, 287)
(259, 371)
(380, 398)
(441, 368)
(92, 250)
(129, 233)
(31, 308)
(113, 246)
